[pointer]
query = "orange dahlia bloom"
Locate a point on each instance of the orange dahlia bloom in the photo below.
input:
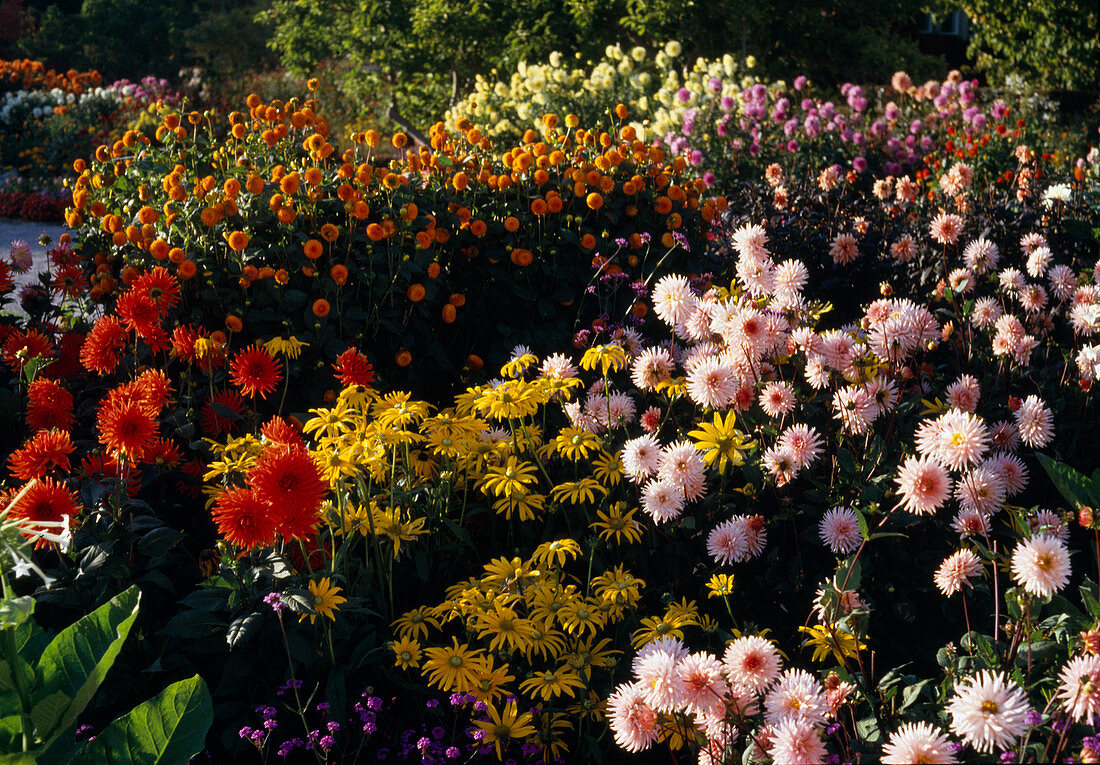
(43, 451)
(243, 519)
(46, 501)
(126, 428)
(289, 479)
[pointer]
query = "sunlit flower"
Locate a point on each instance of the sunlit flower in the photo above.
(1041, 564)
(918, 742)
(923, 484)
(957, 570)
(839, 529)
(988, 712)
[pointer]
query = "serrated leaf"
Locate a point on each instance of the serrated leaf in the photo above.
(243, 628)
(167, 729)
(299, 601)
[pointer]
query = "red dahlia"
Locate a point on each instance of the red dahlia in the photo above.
(102, 345)
(45, 450)
(49, 405)
(244, 519)
(46, 501)
(254, 370)
(126, 428)
(353, 368)
(289, 479)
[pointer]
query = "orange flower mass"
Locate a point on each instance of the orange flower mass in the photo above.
(289, 479)
(44, 450)
(46, 501)
(49, 405)
(126, 428)
(254, 370)
(243, 519)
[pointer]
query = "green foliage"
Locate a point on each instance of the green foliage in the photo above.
(118, 37)
(1051, 44)
(44, 690)
(168, 728)
(427, 53)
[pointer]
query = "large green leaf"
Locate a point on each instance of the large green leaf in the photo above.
(168, 728)
(76, 661)
(1074, 486)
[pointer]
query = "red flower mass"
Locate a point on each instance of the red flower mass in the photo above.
(102, 345)
(244, 519)
(254, 370)
(353, 368)
(126, 428)
(289, 479)
(139, 313)
(215, 416)
(46, 501)
(49, 405)
(21, 347)
(159, 286)
(45, 450)
(279, 431)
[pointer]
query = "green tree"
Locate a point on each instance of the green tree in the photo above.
(1052, 44)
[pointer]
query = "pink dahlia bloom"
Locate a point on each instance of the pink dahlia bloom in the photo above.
(988, 712)
(1079, 690)
(957, 571)
(633, 721)
(752, 662)
(918, 742)
(1041, 564)
(924, 485)
(839, 529)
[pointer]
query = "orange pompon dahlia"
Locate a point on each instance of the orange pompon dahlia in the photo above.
(102, 345)
(243, 519)
(49, 405)
(221, 412)
(20, 347)
(139, 313)
(126, 428)
(279, 431)
(254, 370)
(159, 286)
(289, 479)
(43, 451)
(353, 368)
(45, 502)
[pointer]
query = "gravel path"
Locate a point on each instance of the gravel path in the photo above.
(13, 230)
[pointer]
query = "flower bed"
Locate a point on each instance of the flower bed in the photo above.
(789, 477)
